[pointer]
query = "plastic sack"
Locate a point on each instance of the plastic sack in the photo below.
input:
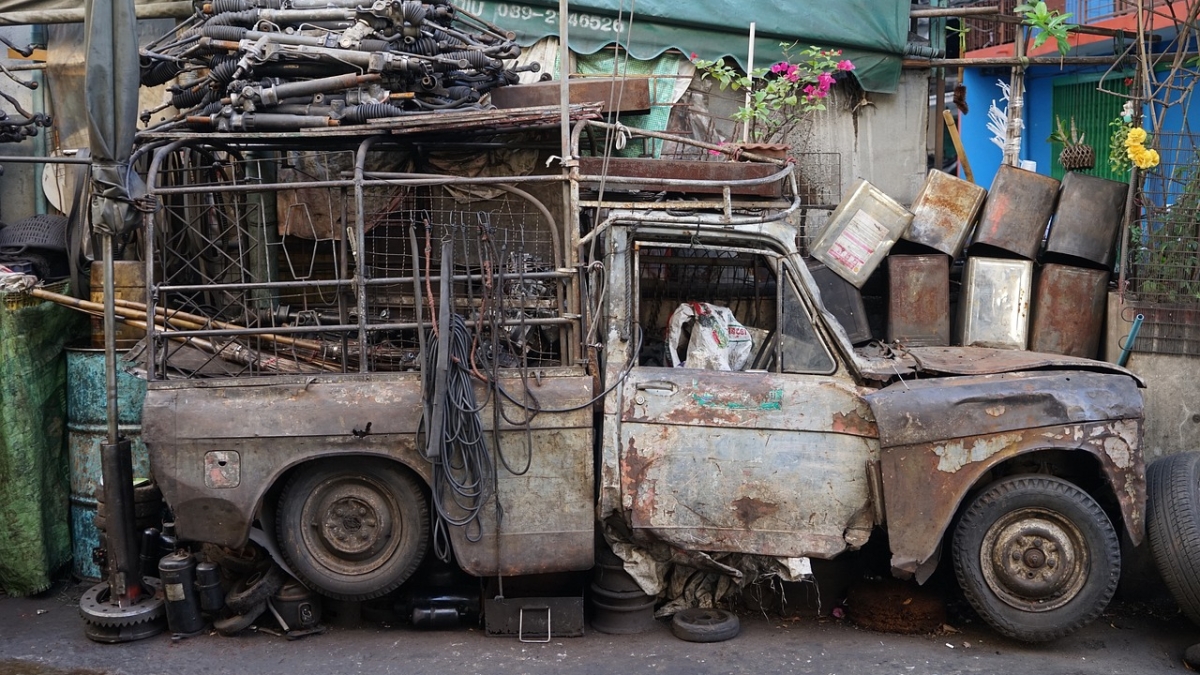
(719, 341)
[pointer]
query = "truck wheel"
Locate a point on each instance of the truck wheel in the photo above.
(1173, 526)
(699, 624)
(1036, 557)
(353, 529)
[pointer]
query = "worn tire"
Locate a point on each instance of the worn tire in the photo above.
(241, 562)
(256, 588)
(1036, 557)
(232, 625)
(698, 624)
(353, 529)
(1173, 526)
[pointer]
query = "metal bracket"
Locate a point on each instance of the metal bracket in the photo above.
(521, 623)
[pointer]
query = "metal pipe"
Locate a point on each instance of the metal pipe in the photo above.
(942, 12)
(1133, 334)
(150, 10)
(9, 159)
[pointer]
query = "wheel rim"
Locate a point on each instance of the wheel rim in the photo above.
(352, 524)
(1034, 559)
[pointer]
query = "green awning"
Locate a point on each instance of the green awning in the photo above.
(872, 33)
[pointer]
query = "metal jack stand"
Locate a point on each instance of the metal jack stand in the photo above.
(126, 606)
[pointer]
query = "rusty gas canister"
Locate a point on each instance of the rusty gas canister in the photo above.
(944, 211)
(1018, 210)
(1068, 310)
(919, 300)
(860, 232)
(993, 310)
(1087, 219)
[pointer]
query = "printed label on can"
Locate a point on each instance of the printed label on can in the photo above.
(858, 242)
(174, 592)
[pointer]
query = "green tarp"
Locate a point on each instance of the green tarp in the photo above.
(872, 33)
(35, 535)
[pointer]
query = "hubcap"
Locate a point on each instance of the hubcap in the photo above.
(1034, 559)
(352, 524)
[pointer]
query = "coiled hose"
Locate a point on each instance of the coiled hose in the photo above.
(463, 470)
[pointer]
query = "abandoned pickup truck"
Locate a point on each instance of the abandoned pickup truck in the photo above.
(407, 361)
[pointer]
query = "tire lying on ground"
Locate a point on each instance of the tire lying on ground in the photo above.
(1036, 557)
(1173, 526)
(699, 624)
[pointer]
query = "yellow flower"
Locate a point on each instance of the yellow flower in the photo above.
(1147, 159)
(1137, 136)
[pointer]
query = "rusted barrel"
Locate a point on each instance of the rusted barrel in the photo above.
(87, 430)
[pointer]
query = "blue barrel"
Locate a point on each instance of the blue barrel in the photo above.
(87, 431)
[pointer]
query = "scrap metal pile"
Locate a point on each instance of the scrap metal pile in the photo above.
(280, 65)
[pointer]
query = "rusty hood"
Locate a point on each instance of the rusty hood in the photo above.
(938, 409)
(987, 361)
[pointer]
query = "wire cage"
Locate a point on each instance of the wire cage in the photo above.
(278, 262)
(1164, 250)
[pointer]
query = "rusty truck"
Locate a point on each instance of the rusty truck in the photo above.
(377, 349)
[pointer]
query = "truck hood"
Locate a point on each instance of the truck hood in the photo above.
(974, 361)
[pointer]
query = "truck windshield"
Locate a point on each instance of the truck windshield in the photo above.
(801, 349)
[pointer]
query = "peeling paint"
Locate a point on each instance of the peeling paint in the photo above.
(954, 455)
(749, 510)
(994, 411)
(1118, 451)
(739, 400)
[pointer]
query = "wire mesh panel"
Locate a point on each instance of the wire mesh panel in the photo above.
(259, 267)
(1164, 268)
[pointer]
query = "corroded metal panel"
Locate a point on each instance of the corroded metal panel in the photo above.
(1017, 212)
(919, 300)
(987, 361)
(944, 212)
(1088, 217)
(954, 407)
(860, 232)
(274, 426)
(926, 483)
(993, 309)
(748, 462)
(1068, 310)
(680, 169)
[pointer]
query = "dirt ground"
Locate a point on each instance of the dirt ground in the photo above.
(44, 636)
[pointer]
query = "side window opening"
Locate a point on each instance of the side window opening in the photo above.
(723, 291)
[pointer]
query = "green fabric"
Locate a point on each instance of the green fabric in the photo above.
(872, 33)
(35, 535)
(661, 88)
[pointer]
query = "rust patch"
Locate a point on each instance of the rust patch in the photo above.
(749, 510)
(633, 465)
(853, 423)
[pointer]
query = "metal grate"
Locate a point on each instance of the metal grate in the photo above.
(1164, 269)
(1093, 110)
(259, 271)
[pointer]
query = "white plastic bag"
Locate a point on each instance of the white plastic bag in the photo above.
(718, 341)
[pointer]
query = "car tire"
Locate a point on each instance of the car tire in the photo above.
(699, 624)
(232, 625)
(353, 529)
(1036, 557)
(255, 588)
(1173, 526)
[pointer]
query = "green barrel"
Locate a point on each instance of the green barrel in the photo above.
(87, 431)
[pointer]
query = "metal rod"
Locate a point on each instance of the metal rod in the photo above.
(153, 10)
(110, 337)
(10, 159)
(1015, 61)
(942, 12)
(1133, 334)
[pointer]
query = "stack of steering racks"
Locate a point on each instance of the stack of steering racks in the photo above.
(284, 65)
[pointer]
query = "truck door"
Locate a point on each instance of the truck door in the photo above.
(770, 460)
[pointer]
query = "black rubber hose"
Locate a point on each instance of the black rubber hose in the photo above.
(160, 73)
(413, 12)
(183, 99)
(374, 46)
(248, 17)
(423, 46)
(477, 59)
(360, 114)
(219, 32)
(223, 72)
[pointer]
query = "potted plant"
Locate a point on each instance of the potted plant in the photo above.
(1075, 155)
(781, 95)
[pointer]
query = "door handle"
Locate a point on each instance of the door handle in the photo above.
(657, 387)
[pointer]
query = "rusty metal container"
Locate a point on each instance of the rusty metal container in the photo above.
(1068, 310)
(129, 283)
(1088, 218)
(860, 232)
(944, 212)
(993, 310)
(843, 300)
(87, 431)
(1018, 209)
(919, 300)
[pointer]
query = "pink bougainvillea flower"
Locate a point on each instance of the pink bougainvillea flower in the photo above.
(694, 56)
(824, 81)
(810, 91)
(779, 68)
(846, 65)
(793, 74)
